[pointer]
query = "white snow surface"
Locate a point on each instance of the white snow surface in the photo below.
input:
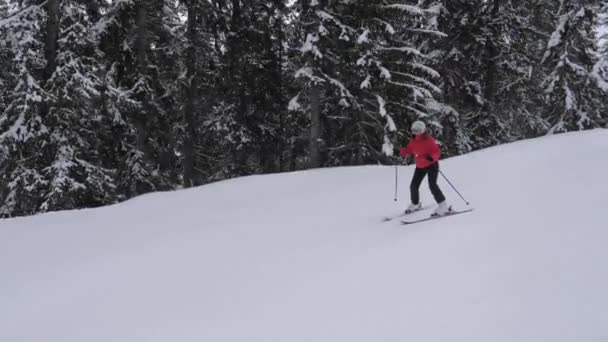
(304, 257)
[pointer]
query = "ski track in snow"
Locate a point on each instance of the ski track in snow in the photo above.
(305, 257)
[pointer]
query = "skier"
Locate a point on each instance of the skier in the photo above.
(426, 154)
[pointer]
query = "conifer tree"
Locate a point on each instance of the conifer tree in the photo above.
(23, 130)
(364, 71)
(572, 101)
(76, 174)
(137, 39)
(600, 71)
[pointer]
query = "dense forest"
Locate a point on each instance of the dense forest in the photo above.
(104, 100)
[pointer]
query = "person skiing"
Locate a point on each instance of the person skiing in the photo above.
(426, 153)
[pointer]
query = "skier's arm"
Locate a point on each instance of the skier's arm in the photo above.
(405, 150)
(435, 152)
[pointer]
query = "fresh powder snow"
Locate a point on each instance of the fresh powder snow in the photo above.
(305, 256)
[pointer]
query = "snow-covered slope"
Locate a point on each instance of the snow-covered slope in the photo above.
(304, 257)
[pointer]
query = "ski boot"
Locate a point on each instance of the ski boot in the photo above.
(442, 209)
(412, 207)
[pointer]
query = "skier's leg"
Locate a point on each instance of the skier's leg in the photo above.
(415, 185)
(433, 175)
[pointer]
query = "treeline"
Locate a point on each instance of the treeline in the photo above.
(103, 100)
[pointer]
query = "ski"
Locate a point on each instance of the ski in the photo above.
(451, 213)
(403, 214)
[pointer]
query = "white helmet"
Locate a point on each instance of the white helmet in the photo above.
(418, 127)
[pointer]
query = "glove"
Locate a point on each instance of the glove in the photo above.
(409, 160)
(430, 158)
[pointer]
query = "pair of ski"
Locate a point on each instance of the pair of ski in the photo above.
(429, 218)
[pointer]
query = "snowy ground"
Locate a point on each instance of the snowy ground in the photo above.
(303, 257)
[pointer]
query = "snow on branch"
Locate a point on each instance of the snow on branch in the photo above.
(346, 30)
(310, 46)
(429, 71)
(421, 80)
(406, 49)
(435, 9)
(388, 147)
(364, 60)
(577, 68)
(570, 102)
(438, 107)
(431, 32)
(364, 37)
(17, 16)
(387, 26)
(414, 10)
(420, 114)
(557, 35)
(102, 26)
(344, 92)
(418, 91)
(307, 72)
(602, 81)
(381, 105)
(294, 105)
(392, 127)
(384, 72)
(366, 84)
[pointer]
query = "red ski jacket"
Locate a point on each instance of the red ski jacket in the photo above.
(423, 147)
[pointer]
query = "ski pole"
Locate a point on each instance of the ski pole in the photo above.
(453, 187)
(396, 181)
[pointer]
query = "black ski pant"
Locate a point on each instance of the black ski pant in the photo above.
(433, 173)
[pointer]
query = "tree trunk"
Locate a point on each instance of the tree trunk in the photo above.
(140, 117)
(141, 21)
(189, 108)
(52, 34)
(315, 91)
(315, 128)
(282, 148)
(492, 55)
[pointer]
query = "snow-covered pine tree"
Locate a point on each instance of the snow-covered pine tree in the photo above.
(600, 71)
(518, 88)
(312, 45)
(537, 21)
(77, 175)
(242, 132)
(7, 80)
(485, 62)
(458, 58)
(227, 134)
(5, 56)
(363, 74)
(289, 130)
(23, 132)
(398, 85)
(197, 58)
(137, 39)
(295, 122)
(572, 101)
(270, 97)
